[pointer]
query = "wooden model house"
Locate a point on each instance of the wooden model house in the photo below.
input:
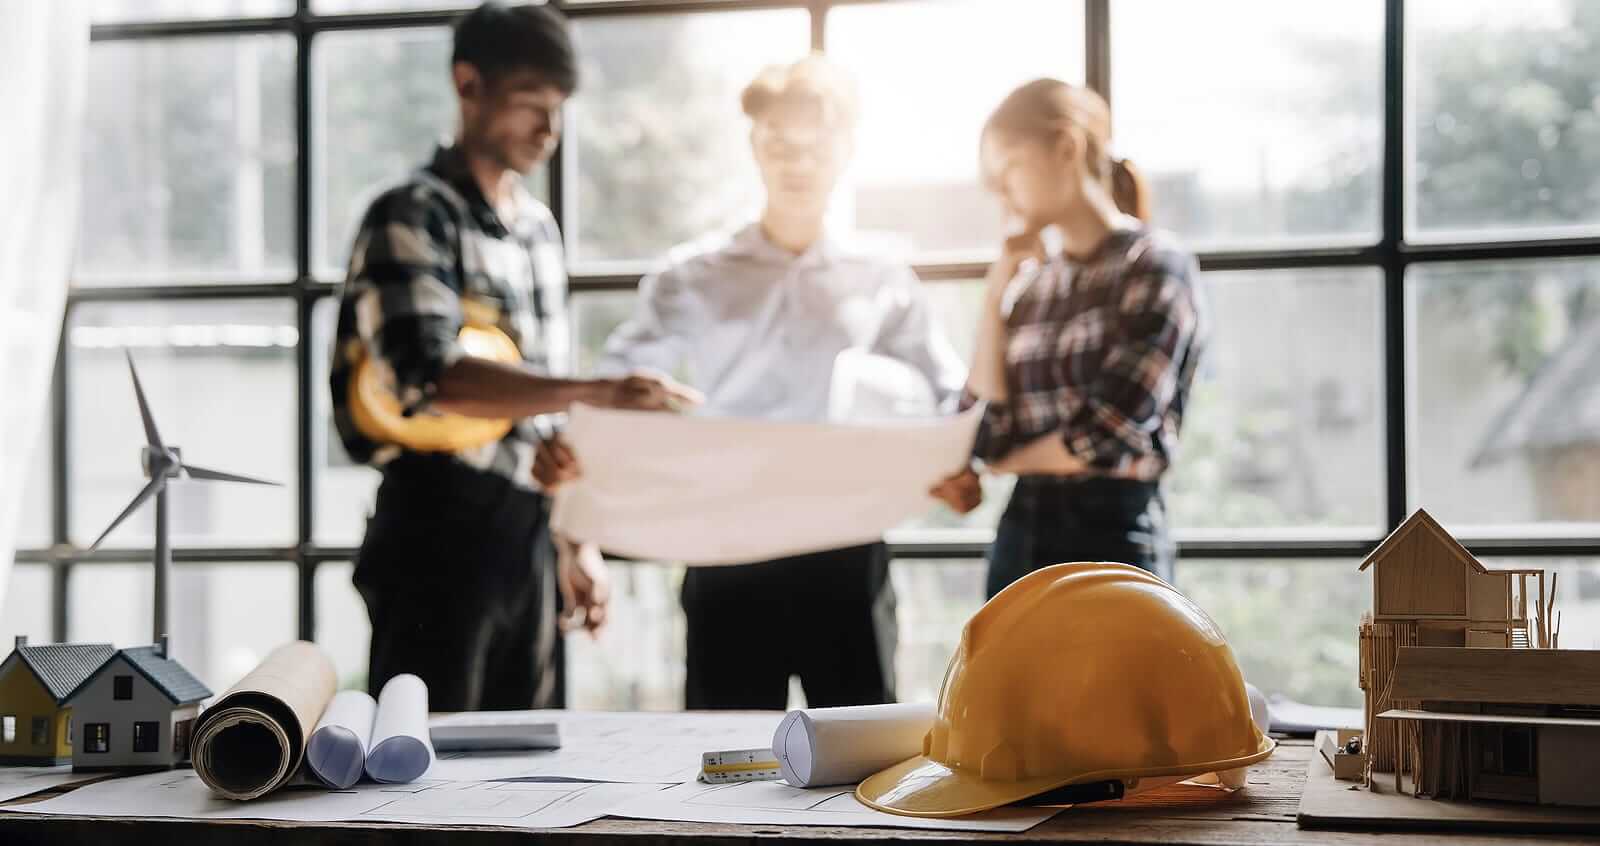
(1512, 725)
(35, 681)
(1429, 591)
(136, 711)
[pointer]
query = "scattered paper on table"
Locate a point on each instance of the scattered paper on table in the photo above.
(644, 748)
(717, 490)
(180, 794)
(16, 782)
(776, 803)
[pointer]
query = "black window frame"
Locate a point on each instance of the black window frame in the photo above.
(1392, 255)
(104, 736)
(122, 688)
(150, 741)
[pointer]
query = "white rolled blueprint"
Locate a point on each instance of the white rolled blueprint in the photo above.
(337, 753)
(823, 746)
(400, 750)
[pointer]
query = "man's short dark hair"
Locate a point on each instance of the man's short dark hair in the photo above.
(499, 38)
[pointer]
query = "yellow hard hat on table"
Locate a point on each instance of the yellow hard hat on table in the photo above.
(1078, 681)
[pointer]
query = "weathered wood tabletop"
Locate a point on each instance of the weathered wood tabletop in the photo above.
(1264, 813)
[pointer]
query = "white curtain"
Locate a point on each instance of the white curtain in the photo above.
(43, 53)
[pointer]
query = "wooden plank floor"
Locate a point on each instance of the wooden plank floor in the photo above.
(1263, 813)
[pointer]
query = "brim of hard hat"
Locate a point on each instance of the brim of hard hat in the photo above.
(923, 787)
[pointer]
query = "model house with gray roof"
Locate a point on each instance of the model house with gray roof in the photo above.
(135, 712)
(35, 683)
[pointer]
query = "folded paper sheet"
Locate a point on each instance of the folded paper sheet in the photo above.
(337, 753)
(824, 746)
(708, 490)
(658, 747)
(253, 739)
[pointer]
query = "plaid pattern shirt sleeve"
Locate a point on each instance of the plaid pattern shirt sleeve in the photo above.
(404, 274)
(1143, 365)
(994, 430)
(1102, 355)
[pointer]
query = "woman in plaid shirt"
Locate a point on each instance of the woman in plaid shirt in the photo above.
(1085, 354)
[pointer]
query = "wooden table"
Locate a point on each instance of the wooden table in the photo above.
(1264, 813)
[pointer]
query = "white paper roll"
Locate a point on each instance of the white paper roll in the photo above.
(337, 753)
(822, 746)
(400, 751)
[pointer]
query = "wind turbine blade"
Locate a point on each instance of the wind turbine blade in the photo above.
(150, 433)
(219, 476)
(150, 490)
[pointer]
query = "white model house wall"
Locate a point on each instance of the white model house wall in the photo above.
(95, 703)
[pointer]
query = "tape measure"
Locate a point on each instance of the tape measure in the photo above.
(739, 765)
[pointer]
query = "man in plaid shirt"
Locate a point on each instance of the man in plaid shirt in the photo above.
(458, 568)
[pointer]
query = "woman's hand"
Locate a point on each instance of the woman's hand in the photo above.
(1016, 249)
(962, 492)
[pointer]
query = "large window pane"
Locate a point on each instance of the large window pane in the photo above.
(596, 314)
(1505, 404)
(33, 508)
(1285, 426)
(25, 609)
(1577, 595)
(955, 306)
(637, 661)
(934, 600)
(343, 628)
(188, 176)
(1291, 624)
(346, 491)
(1255, 122)
(119, 11)
(219, 377)
(224, 618)
(381, 102)
(1505, 125)
(930, 74)
(658, 143)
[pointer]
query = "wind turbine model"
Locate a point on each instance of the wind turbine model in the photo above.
(161, 463)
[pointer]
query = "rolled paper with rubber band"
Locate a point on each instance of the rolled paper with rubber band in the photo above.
(822, 746)
(252, 741)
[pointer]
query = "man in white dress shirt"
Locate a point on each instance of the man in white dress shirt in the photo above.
(755, 320)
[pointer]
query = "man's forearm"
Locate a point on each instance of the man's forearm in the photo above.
(477, 387)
